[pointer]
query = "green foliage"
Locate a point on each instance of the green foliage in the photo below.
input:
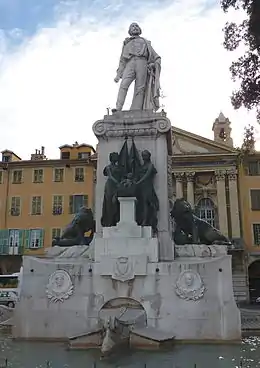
(247, 68)
(248, 145)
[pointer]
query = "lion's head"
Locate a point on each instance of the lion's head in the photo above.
(181, 209)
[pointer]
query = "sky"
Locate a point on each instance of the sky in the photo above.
(58, 60)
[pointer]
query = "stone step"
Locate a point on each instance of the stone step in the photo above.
(250, 319)
(240, 287)
(91, 339)
(150, 337)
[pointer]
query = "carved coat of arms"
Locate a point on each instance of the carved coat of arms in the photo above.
(59, 287)
(123, 269)
(189, 286)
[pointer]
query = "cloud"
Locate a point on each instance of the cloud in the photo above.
(56, 84)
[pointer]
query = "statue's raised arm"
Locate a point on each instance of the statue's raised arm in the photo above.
(140, 63)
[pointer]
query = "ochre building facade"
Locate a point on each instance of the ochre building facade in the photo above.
(38, 197)
(205, 172)
(249, 174)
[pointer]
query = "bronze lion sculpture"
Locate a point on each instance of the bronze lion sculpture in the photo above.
(73, 233)
(190, 229)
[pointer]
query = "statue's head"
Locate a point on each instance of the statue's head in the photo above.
(189, 279)
(180, 208)
(146, 155)
(134, 30)
(113, 157)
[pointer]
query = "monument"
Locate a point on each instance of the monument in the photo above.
(133, 283)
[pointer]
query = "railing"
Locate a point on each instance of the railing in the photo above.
(48, 365)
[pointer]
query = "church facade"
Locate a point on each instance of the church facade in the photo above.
(205, 172)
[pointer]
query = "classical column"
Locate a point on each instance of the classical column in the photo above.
(234, 209)
(179, 184)
(222, 203)
(190, 187)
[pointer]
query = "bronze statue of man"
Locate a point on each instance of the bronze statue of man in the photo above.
(140, 63)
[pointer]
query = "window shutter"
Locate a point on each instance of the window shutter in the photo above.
(255, 199)
(26, 239)
(85, 200)
(1, 243)
(20, 245)
(5, 237)
(41, 238)
(71, 204)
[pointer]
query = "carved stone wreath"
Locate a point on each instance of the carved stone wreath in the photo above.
(59, 287)
(189, 286)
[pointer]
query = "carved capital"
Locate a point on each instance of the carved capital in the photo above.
(220, 175)
(179, 176)
(132, 123)
(99, 128)
(190, 176)
(232, 174)
(163, 125)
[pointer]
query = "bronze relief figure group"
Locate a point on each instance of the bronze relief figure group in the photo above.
(129, 175)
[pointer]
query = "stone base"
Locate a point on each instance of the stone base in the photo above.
(190, 298)
(126, 238)
(152, 132)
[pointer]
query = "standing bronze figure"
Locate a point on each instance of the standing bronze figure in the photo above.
(147, 200)
(110, 210)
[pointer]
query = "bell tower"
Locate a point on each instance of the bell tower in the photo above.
(222, 130)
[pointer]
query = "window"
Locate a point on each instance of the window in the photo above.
(77, 201)
(83, 155)
(6, 158)
(254, 168)
(17, 176)
(36, 238)
(255, 199)
(38, 176)
(206, 210)
(1, 176)
(79, 174)
(65, 155)
(56, 233)
(15, 206)
(57, 205)
(256, 232)
(58, 175)
(15, 241)
(36, 205)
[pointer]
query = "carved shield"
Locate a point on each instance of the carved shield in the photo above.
(123, 269)
(122, 265)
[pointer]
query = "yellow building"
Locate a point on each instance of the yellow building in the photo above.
(38, 197)
(205, 172)
(250, 205)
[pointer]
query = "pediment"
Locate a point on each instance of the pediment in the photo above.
(185, 142)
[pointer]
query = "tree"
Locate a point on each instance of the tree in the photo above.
(248, 145)
(247, 67)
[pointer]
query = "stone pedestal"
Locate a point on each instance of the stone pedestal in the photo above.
(151, 131)
(127, 210)
(126, 238)
(191, 298)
